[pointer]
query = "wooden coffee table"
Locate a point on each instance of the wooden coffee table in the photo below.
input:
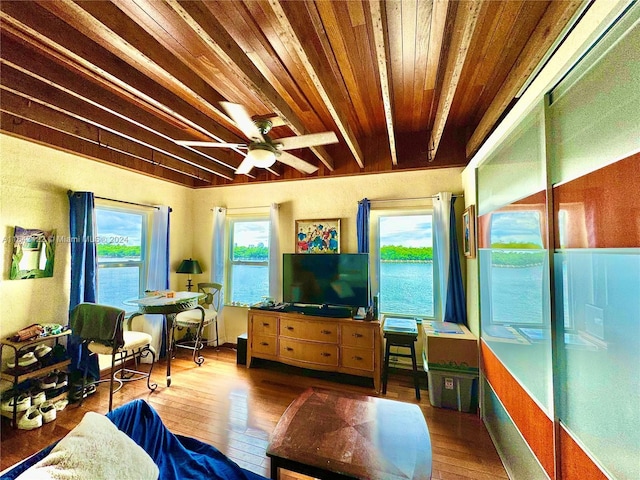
(329, 434)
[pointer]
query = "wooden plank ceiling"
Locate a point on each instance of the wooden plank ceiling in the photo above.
(404, 84)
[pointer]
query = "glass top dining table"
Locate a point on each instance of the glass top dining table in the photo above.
(168, 304)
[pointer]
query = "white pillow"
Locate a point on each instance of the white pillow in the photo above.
(94, 449)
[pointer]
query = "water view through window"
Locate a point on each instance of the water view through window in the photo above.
(120, 255)
(249, 261)
(406, 265)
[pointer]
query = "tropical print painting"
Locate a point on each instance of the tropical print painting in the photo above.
(318, 236)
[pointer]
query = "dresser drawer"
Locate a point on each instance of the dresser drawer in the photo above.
(264, 344)
(264, 324)
(318, 353)
(357, 336)
(326, 332)
(358, 358)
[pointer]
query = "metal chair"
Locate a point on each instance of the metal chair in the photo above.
(195, 319)
(102, 332)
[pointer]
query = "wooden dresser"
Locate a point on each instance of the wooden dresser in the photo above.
(340, 345)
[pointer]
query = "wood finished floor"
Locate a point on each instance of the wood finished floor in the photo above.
(236, 409)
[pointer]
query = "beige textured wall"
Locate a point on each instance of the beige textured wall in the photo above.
(309, 199)
(468, 178)
(33, 194)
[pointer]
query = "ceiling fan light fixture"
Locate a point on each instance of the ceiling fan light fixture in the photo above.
(261, 158)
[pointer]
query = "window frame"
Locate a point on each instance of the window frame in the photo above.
(374, 254)
(143, 263)
(229, 263)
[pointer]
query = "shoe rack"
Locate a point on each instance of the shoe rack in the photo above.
(19, 348)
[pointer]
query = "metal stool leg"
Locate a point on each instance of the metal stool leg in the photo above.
(416, 378)
(385, 369)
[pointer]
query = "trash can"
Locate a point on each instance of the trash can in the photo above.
(241, 350)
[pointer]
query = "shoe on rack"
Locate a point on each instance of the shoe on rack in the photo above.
(76, 393)
(22, 402)
(37, 397)
(61, 404)
(31, 419)
(59, 354)
(48, 411)
(62, 379)
(49, 382)
(44, 354)
(26, 363)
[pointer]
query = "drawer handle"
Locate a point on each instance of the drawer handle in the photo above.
(326, 332)
(289, 327)
(264, 344)
(357, 358)
(289, 349)
(357, 335)
(265, 324)
(325, 354)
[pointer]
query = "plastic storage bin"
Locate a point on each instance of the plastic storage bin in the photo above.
(451, 389)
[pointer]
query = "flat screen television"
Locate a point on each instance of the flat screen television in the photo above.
(326, 279)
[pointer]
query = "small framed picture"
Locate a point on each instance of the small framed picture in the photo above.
(469, 230)
(318, 236)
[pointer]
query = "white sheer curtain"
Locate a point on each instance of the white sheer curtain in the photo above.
(275, 259)
(441, 218)
(157, 276)
(217, 266)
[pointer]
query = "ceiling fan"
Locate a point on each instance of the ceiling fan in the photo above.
(263, 151)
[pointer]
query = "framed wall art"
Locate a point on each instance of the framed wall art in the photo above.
(469, 231)
(318, 236)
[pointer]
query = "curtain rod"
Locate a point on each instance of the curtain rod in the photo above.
(131, 203)
(242, 208)
(408, 199)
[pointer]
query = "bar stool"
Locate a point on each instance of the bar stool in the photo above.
(400, 333)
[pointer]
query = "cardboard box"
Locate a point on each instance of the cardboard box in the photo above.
(448, 351)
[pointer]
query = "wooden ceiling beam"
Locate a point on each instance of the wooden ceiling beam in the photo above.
(213, 34)
(379, 24)
(436, 38)
(43, 31)
(547, 31)
(41, 68)
(325, 86)
(28, 87)
(466, 19)
(41, 124)
(107, 25)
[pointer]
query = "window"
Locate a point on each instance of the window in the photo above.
(404, 274)
(248, 264)
(121, 249)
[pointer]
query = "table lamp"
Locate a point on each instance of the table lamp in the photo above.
(189, 267)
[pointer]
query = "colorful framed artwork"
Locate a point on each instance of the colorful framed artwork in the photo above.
(318, 236)
(469, 230)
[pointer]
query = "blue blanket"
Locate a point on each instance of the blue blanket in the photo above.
(177, 457)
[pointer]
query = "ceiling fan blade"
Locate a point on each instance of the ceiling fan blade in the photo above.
(310, 140)
(242, 120)
(244, 167)
(194, 143)
(297, 163)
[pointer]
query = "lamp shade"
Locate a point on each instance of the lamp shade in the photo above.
(189, 266)
(262, 158)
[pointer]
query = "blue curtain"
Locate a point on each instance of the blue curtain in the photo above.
(456, 309)
(362, 231)
(84, 265)
(362, 225)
